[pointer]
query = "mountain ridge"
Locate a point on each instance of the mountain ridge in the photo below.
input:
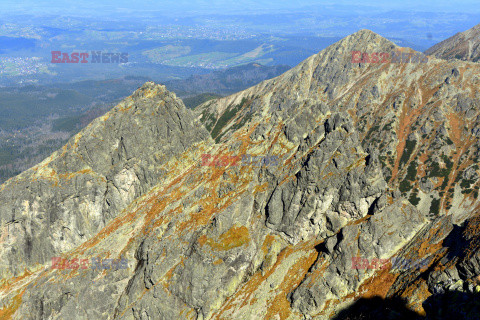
(358, 143)
(463, 45)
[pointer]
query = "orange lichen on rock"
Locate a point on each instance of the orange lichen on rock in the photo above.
(416, 293)
(377, 285)
(233, 238)
(267, 243)
(280, 305)
(68, 176)
(246, 295)
(7, 312)
(407, 118)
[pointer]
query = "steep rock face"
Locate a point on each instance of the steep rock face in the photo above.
(330, 189)
(356, 143)
(69, 197)
(378, 238)
(464, 46)
(206, 231)
(233, 245)
(421, 119)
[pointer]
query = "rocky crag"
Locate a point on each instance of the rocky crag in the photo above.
(377, 161)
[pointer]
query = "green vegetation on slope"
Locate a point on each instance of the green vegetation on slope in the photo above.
(197, 100)
(225, 118)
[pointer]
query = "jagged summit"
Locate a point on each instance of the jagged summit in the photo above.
(323, 77)
(71, 195)
(151, 90)
(364, 39)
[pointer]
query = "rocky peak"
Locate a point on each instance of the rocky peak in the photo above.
(69, 197)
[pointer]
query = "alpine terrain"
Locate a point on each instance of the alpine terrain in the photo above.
(371, 210)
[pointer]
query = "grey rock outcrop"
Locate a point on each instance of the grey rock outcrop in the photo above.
(68, 198)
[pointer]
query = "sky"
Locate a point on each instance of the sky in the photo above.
(229, 7)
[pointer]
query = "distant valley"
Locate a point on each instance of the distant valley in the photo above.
(36, 120)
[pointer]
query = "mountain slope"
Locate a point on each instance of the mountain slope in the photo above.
(464, 46)
(357, 144)
(412, 115)
(69, 197)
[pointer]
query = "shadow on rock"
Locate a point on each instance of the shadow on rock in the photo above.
(378, 308)
(456, 305)
(452, 305)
